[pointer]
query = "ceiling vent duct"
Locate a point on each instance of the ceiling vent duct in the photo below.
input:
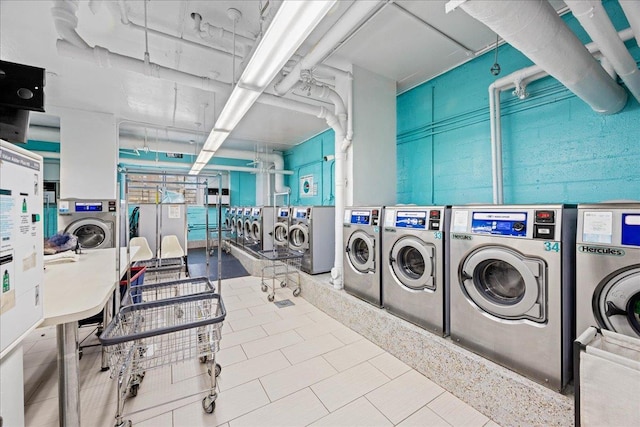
(535, 29)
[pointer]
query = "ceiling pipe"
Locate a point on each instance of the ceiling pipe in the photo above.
(631, 9)
(206, 30)
(187, 166)
(596, 22)
(356, 13)
(522, 77)
(66, 21)
(534, 28)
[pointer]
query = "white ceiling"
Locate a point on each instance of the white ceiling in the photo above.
(408, 41)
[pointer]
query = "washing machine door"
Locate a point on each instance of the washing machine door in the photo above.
(505, 283)
(299, 237)
(281, 233)
(616, 302)
(256, 231)
(239, 227)
(411, 262)
(361, 251)
(247, 230)
(92, 233)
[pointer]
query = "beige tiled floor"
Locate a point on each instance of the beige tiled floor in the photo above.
(291, 366)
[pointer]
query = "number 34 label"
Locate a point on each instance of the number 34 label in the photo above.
(552, 246)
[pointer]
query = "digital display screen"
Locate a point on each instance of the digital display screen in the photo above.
(500, 223)
(88, 207)
(361, 217)
(631, 229)
(283, 213)
(256, 212)
(411, 219)
(301, 213)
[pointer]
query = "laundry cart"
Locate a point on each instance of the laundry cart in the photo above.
(154, 334)
(280, 267)
(164, 290)
(162, 269)
(607, 378)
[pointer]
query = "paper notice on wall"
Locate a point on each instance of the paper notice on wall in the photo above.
(460, 221)
(597, 227)
(174, 212)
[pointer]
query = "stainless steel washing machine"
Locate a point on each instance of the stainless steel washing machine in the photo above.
(312, 232)
(262, 219)
(608, 268)
(362, 253)
(239, 225)
(512, 286)
(246, 226)
(93, 222)
(281, 227)
(229, 221)
(413, 276)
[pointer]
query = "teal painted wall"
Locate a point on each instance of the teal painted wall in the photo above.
(307, 159)
(556, 149)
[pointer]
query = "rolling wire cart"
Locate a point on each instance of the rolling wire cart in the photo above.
(153, 334)
(283, 266)
(161, 269)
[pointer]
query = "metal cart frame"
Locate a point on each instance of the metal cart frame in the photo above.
(161, 269)
(281, 265)
(154, 334)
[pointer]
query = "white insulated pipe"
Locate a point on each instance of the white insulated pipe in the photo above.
(596, 22)
(631, 9)
(66, 21)
(356, 13)
(535, 29)
(526, 76)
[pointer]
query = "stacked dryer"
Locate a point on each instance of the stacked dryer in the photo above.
(362, 260)
(312, 232)
(512, 286)
(608, 268)
(413, 272)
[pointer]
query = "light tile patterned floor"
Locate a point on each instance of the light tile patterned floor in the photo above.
(291, 366)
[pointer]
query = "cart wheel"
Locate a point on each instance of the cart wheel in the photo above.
(296, 292)
(209, 405)
(218, 369)
(271, 298)
(80, 354)
(133, 391)
(263, 287)
(203, 359)
(283, 284)
(126, 423)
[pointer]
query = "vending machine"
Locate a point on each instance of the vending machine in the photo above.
(21, 267)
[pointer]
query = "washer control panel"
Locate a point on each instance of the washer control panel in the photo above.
(500, 223)
(544, 224)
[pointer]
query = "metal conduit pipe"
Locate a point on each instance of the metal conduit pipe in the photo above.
(524, 76)
(358, 11)
(534, 28)
(596, 22)
(187, 167)
(631, 9)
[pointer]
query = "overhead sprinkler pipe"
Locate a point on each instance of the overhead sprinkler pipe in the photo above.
(535, 29)
(596, 22)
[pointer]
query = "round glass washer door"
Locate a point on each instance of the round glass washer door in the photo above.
(412, 263)
(239, 226)
(281, 233)
(360, 252)
(247, 230)
(91, 233)
(505, 283)
(616, 302)
(256, 230)
(299, 236)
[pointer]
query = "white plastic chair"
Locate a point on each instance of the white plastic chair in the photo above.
(170, 247)
(144, 253)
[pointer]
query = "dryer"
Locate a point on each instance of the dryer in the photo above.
(512, 286)
(281, 227)
(362, 250)
(414, 285)
(93, 222)
(312, 232)
(608, 268)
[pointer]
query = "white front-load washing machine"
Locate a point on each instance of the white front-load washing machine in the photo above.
(608, 268)
(512, 286)
(93, 222)
(414, 285)
(362, 250)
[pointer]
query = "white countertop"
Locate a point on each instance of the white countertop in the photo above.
(77, 290)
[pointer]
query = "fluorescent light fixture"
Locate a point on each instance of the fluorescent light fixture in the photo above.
(293, 23)
(236, 107)
(215, 139)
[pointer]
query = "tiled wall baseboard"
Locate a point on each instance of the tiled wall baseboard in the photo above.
(498, 393)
